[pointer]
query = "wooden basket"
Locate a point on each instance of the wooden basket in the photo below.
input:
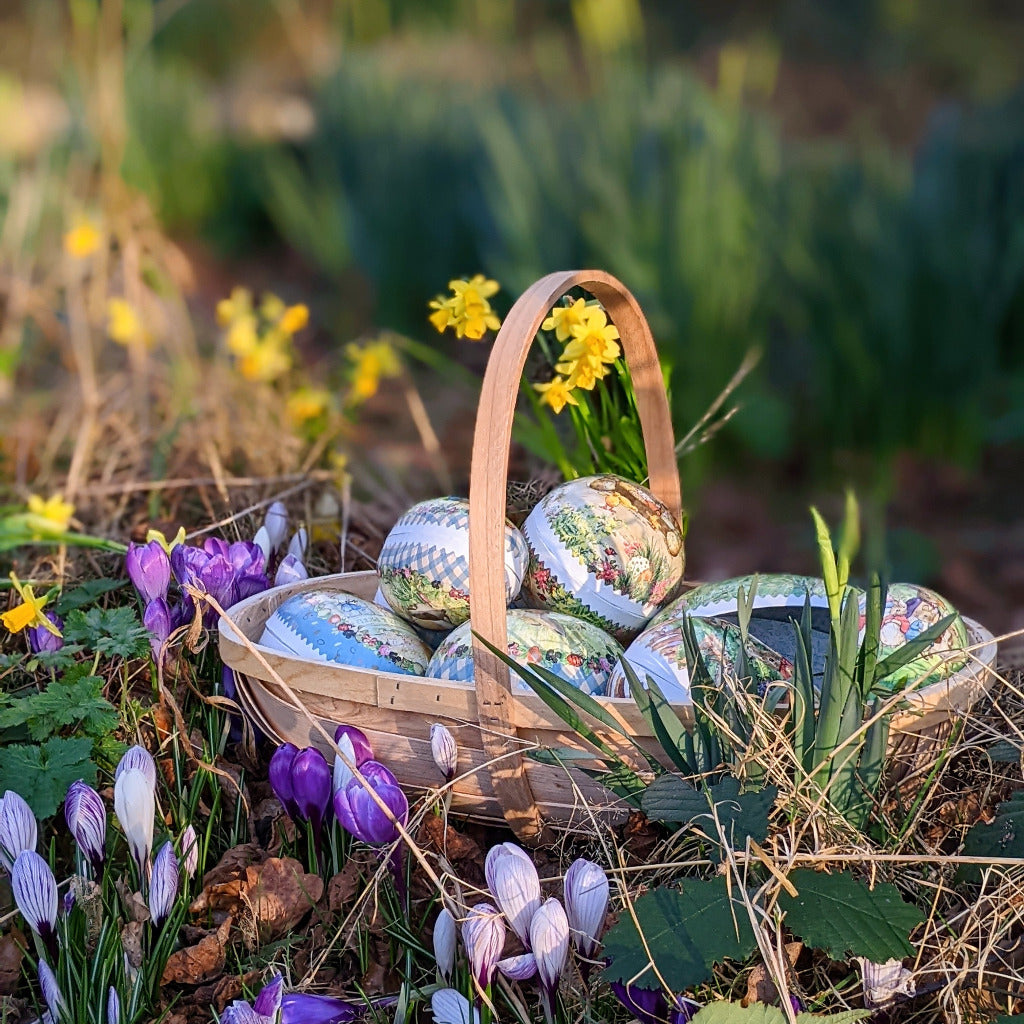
(493, 724)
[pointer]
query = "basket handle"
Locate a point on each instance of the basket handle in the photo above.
(487, 498)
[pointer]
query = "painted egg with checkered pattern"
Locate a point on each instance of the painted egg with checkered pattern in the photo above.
(332, 626)
(580, 653)
(423, 567)
(605, 549)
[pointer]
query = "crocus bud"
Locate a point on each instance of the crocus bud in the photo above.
(280, 772)
(141, 759)
(586, 903)
(276, 524)
(42, 639)
(18, 828)
(67, 902)
(163, 887)
(268, 1002)
(113, 1006)
(311, 786)
(513, 880)
(360, 744)
(35, 893)
(444, 943)
(519, 968)
(159, 620)
(52, 995)
(483, 935)
(297, 545)
(358, 812)
(452, 1007)
(189, 847)
(444, 750)
(149, 569)
(135, 806)
(87, 821)
(356, 747)
(549, 940)
(262, 541)
(291, 570)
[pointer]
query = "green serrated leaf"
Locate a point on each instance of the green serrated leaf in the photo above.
(1003, 836)
(841, 915)
(75, 699)
(687, 932)
(758, 1013)
(41, 773)
(112, 631)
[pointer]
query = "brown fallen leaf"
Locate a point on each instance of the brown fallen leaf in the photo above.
(233, 863)
(434, 834)
(199, 963)
(222, 991)
(132, 936)
(344, 887)
(12, 952)
(279, 894)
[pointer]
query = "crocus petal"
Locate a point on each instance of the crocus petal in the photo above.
(35, 893)
(52, 994)
(519, 968)
(483, 935)
(291, 570)
(276, 524)
(311, 786)
(18, 828)
(149, 569)
(297, 545)
(586, 903)
(262, 541)
(549, 941)
(361, 745)
(135, 806)
(163, 887)
(684, 1009)
(42, 639)
(280, 772)
(444, 942)
(444, 750)
(342, 773)
(359, 813)
(189, 846)
(87, 821)
(268, 1002)
(240, 1012)
(307, 1008)
(159, 620)
(452, 1007)
(141, 759)
(113, 1006)
(648, 1005)
(883, 982)
(512, 878)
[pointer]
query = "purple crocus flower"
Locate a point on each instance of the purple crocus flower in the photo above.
(512, 878)
(249, 564)
(549, 941)
(291, 570)
(586, 903)
(276, 524)
(186, 561)
(280, 772)
(268, 1002)
(159, 620)
(297, 1007)
(149, 569)
(113, 1006)
(52, 995)
(163, 885)
(41, 639)
(648, 1005)
(352, 742)
(139, 758)
(311, 786)
(359, 813)
(35, 893)
(360, 744)
(189, 847)
(87, 820)
(483, 935)
(18, 828)
(683, 1010)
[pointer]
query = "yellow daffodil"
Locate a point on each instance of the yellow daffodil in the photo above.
(83, 239)
(293, 319)
(242, 337)
(167, 545)
(467, 309)
(594, 339)
(307, 404)
(29, 612)
(124, 325)
(266, 361)
(582, 373)
(369, 364)
(51, 516)
(443, 315)
(271, 307)
(234, 308)
(564, 318)
(556, 393)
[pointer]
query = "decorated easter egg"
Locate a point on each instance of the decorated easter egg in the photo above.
(330, 626)
(660, 652)
(578, 651)
(606, 550)
(423, 566)
(909, 611)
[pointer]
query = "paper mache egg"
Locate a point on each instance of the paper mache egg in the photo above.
(909, 611)
(423, 567)
(660, 652)
(604, 549)
(331, 626)
(578, 651)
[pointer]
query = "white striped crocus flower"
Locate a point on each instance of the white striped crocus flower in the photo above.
(444, 942)
(483, 935)
(549, 941)
(113, 1006)
(135, 807)
(18, 828)
(52, 995)
(163, 886)
(444, 750)
(452, 1007)
(586, 904)
(35, 893)
(141, 759)
(512, 878)
(87, 820)
(189, 847)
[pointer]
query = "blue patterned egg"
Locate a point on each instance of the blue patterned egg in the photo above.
(423, 567)
(330, 626)
(605, 549)
(578, 651)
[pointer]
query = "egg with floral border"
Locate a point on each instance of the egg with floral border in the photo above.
(909, 611)
(423, 566)
(660, 652)
(606, 550)
(331, 626)
(579, 652)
